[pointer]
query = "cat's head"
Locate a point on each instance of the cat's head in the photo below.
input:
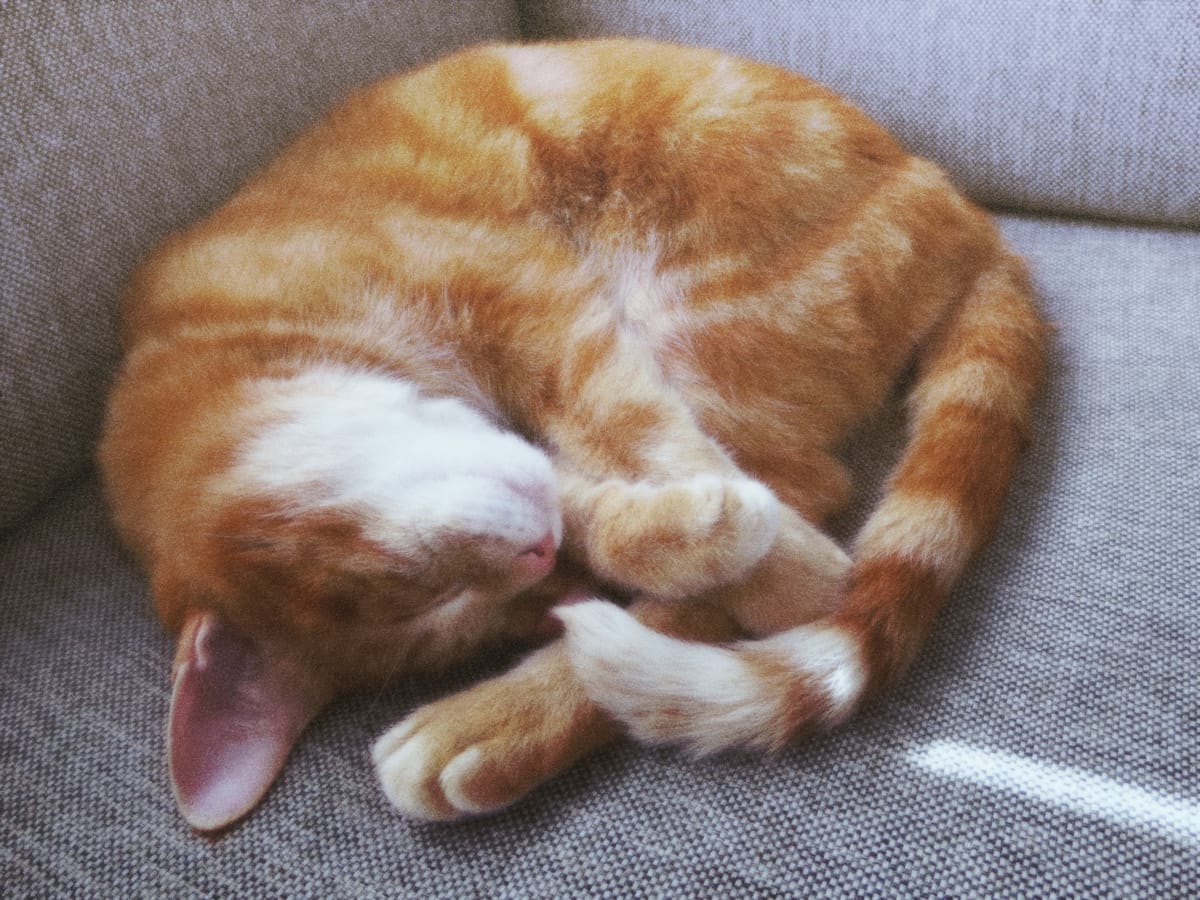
(359, 530)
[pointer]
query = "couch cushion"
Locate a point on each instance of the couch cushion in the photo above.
(1063, 106)
(121, 121)
(1044, 745)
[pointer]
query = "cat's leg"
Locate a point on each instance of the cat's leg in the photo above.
(486, 747)
(802, 578)
(650, 502)
(672, 539)
(483, 748)
(805, 573)
(660, 539)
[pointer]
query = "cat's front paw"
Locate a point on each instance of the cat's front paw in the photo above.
(682, 538)
(429, 771)
(486, 747)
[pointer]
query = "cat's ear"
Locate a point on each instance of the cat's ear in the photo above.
(235, 713)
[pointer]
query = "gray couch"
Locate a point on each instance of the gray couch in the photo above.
(1044, 745)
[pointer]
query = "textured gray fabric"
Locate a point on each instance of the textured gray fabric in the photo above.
(1053, 105)
(121, 121)
(1044, 745)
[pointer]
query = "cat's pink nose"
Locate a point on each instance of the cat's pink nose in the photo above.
(539, 559)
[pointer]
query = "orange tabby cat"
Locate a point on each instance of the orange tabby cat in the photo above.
(609, 302)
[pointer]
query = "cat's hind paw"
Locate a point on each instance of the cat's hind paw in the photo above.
(681, 538)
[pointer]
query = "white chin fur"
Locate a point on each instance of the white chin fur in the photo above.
(413, 465)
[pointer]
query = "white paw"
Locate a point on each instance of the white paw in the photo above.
(484, 748)
(730, 526)
(424, 778)
(755, 515)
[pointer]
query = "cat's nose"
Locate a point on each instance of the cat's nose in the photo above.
(539, 558)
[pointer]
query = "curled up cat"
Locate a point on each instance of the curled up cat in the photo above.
(603, 307)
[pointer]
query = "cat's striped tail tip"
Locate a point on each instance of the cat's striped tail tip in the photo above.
(707, 698)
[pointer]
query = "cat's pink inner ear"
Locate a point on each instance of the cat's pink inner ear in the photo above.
(235, 713)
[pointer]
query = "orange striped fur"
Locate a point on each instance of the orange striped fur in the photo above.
(630, 296)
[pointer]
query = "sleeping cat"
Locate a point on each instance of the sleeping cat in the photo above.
(604, 304)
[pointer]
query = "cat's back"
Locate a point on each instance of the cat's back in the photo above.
(618, 140)
(514, 150)
(731, 210)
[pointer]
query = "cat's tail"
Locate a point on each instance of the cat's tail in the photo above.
(970, 411)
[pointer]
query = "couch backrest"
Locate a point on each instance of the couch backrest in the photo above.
(122, 121)
(1087, 107)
